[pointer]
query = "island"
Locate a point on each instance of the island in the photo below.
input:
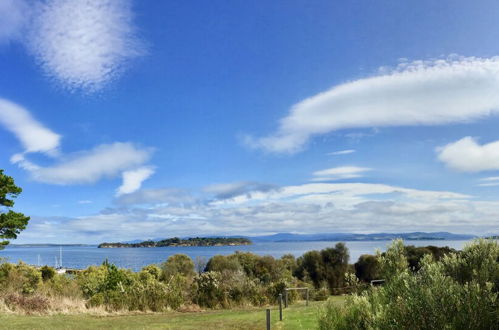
(175, 241)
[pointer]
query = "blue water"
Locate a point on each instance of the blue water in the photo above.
(136, 258)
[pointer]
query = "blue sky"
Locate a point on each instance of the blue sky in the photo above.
(138, 119)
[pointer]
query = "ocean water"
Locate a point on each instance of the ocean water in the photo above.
(135, 258)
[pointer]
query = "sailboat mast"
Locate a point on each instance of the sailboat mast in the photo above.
(60, 256)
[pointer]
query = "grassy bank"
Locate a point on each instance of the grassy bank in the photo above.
(297, 316)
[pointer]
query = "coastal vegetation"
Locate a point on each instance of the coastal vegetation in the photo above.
(458, 291)
(424, 287)
(175, 241)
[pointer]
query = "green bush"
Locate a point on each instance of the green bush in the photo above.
(47, 273)
(457, 292)
(206, 289)
(177, 264)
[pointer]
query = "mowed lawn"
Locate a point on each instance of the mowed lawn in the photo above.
(297, 316)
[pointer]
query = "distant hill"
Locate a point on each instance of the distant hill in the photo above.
(289, 237)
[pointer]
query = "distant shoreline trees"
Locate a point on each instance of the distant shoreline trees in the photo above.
(175, 241)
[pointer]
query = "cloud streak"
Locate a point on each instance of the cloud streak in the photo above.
(104, 161)
(340, 173)
(341, 152)
(234, 189)
(84, 167)
(33, 135)
(419, 93)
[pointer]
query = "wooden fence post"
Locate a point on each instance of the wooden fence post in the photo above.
(307, 296)
(280, 306)
(268, 319)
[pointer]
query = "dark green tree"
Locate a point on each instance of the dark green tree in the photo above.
(11, 223)
(367, 268)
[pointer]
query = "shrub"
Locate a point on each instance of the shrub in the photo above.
(436, 296)
(206, 289)
(177, 264)
(153, 270)
(47, 273)
(221, 263)
(28, 304)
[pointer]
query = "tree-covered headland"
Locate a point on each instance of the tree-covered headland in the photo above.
(175, 241)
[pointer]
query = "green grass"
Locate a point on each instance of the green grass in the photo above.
(297, 316)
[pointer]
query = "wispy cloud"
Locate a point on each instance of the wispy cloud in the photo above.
(489, 181)
(155, 196)
(88, 166)
(233, 189)
(340, 173)
(84, 44)
(419, 93)
(14, 15)
(467, 155)
(34, 136)
(103, 161)
(341, 152)
(132, 179)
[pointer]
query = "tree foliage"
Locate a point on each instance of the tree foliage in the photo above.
(325, 267)
(11, 223)
(458, 291)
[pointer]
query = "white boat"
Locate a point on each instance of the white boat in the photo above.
(58, 265)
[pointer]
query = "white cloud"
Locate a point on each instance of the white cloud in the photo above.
(34, 136)
(421, 93)
(489, 182)
(490, 178)
(340, 173)
(85, 202)
(84, 44)
(106, 160)
(309, 208)
(132, 180)
(156, 196)
(14, 14)
(467, 155)
(341, 152)
(233, 189)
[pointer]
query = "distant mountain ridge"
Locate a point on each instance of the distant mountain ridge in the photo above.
(290, 237)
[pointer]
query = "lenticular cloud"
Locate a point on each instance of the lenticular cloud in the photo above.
(419, 93)
(84, 44)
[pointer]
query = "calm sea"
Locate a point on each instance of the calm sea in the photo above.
(135, 258)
